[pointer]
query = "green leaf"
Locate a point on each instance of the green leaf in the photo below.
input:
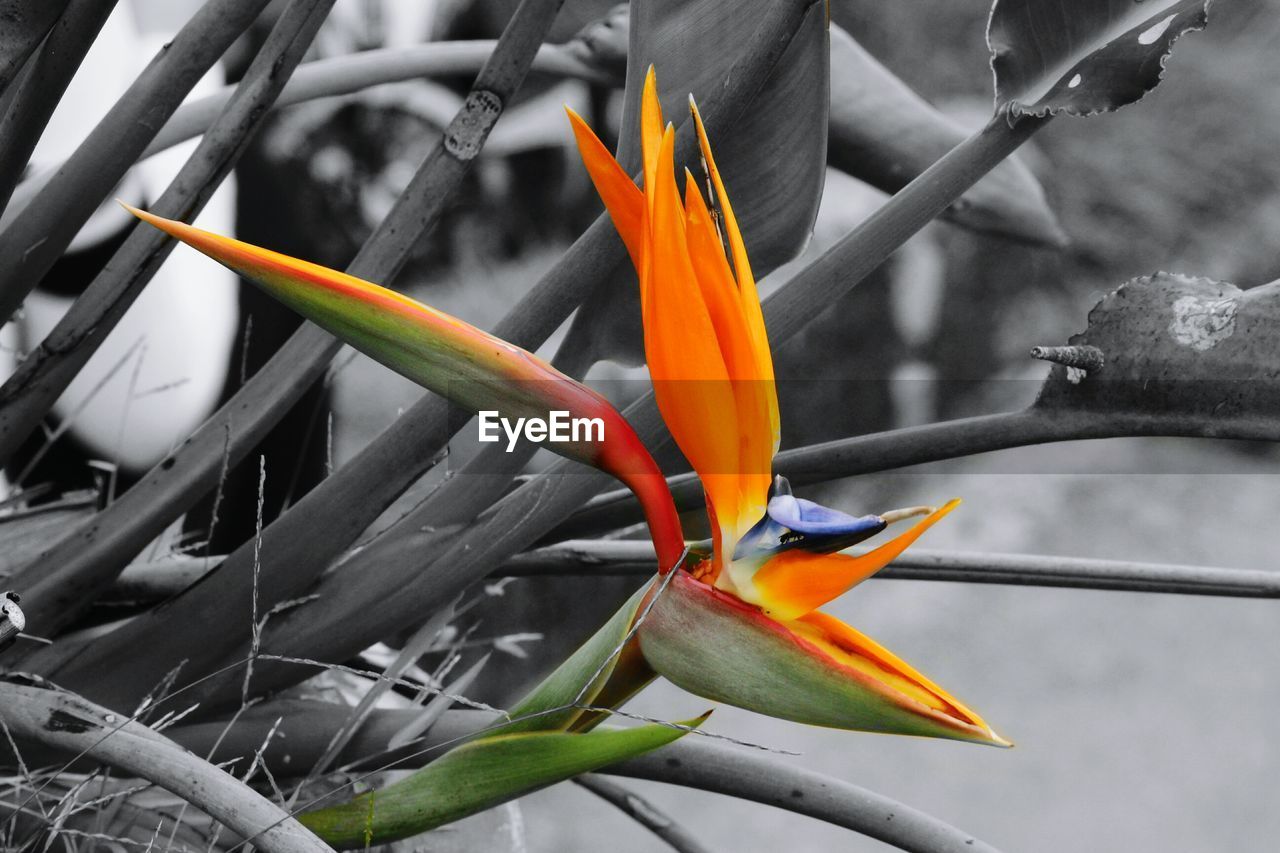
(479, 775)
(593, 658)
(1083, 57)
(719, 648)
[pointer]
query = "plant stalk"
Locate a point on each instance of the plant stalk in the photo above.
(60, 595)
(38, 236)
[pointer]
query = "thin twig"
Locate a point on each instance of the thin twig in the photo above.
(636, 558)
(899, 448)
(255, 643)
(344, 75)
(642, 812)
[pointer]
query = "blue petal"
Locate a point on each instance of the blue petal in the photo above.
(790, 522)
(813, 519)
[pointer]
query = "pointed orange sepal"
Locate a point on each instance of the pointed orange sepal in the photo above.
(621, 197)
(798, 582)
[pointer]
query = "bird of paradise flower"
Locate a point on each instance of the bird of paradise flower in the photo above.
(734, 621)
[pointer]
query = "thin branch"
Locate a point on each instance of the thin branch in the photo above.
(66, 722)
(899, 448)
(636, 558)
(344, 75)
(768, 779)
(41, 232)
(642, 812)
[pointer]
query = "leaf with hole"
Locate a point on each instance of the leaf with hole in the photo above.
(882, 132)
(1083, 57)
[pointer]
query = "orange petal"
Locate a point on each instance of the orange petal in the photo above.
(751, 390)
(651, 130)
(747, 292)
(798, 582)
(621, 197)
(690, 378)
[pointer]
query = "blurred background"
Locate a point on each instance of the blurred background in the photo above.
(1143, 722)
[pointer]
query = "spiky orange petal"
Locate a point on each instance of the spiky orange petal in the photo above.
(852, 647)
(621, 197)
(798, 582)
(747, 292)
(690, 377)
(751, 390)
(651, 130)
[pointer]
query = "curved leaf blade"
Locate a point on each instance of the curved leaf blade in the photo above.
(774, 162)
(1086, 57)
(480, 775)
(593, 663)
(883, 133)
